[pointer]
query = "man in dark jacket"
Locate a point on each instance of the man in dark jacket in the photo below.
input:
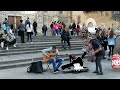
(74, 28)
(44, 30)
(35, 27)
(98, 52)
(63, 24)
(64, 38)
(21, 31)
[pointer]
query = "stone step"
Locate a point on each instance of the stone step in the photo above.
(51, 42)
(33, 51)
(8, 65)
(33, 45)
(36, 48)
(51, 38)
(30, 59)
(37, 37)
(46, 40)
(45, 45)
(16, 65)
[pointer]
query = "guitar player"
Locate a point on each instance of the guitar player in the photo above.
(57, 62)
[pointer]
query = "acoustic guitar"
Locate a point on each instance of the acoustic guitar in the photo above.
(50, 54)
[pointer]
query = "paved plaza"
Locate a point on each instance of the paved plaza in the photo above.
(20, 73)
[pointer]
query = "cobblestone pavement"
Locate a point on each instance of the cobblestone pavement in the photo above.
(20, 73)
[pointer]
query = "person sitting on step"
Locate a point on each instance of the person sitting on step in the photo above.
(8, 40)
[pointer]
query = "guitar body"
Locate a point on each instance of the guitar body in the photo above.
(51, 54)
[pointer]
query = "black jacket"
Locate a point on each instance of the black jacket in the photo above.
(34, 24)
(44, 28)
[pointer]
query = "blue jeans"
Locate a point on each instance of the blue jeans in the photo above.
(74, 31)
(53, 33)
(57, 31)
(98, 63)
(57, 62)
(45, 33)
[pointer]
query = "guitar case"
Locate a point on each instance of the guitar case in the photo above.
(85, 69)
(70, 65)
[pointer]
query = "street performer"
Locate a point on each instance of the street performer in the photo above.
(57, 62)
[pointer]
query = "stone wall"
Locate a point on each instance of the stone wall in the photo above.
(41, 17)
(103, 19)
(50, 16)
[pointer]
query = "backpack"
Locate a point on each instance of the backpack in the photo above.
(35, 67)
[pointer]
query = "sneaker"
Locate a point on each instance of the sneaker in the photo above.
(109, 58)
(2, 44)
(69, 68)
(100, 73)
(95, 72)
(31, 42)
(7, 49)
(64, 48)
(55, 71)
(103, 58)
(92, 60)
(14, 45)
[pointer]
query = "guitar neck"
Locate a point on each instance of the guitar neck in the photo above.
(61, 55)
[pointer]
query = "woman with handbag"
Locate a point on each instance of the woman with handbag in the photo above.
(29, 29)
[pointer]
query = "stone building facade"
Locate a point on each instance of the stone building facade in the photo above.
(42, 17)
(96, 18)
(46, 17)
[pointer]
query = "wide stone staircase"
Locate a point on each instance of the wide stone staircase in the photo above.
(24, 54)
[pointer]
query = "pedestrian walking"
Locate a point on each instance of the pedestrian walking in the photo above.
(29, 29)
(21, 31)
(44, 30)
(35, 27)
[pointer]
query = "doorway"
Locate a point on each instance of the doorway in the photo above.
(14, 20)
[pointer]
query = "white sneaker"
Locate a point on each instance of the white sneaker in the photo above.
(14, 45)
(7, 49)
(2, 44)
(31, 42)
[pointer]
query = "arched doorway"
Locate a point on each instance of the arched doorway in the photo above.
(90, 24)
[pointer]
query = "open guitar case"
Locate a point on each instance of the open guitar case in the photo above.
(69, 66)
(85, 69)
